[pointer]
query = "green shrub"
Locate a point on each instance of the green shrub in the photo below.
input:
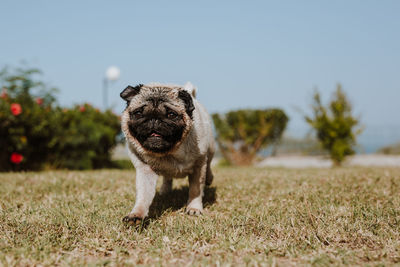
(36, 133)
(243, 133)
(85, 137)
(335, 125)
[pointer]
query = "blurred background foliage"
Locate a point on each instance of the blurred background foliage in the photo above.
(36, 133)
(241, 134)
(335, 125)
(85, 138)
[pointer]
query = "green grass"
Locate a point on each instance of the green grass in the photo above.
(253, 217)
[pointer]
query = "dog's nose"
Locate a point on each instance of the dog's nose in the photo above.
(154, 123)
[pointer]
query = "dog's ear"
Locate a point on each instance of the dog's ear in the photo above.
(190, 88)
(129, 92)
(187, 99)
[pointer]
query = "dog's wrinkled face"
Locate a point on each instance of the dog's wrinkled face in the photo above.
(156, 125)
(158, 117)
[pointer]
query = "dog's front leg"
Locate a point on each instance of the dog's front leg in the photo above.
(197, 182)
(146, 180)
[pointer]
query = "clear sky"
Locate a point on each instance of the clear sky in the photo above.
(238, 53)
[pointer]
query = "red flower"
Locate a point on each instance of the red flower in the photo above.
(16, 109)
(82, 109)
(39, 101)
(16, 158)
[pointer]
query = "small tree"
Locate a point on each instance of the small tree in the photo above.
(242, 133)
(335, 125)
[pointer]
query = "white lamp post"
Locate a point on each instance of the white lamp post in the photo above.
(112, 74)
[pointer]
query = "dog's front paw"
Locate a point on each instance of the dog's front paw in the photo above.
(194, 212)
(132, 220)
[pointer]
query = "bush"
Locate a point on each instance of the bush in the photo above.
(335, 125)
(36, 133)
(241, 134)
(26, 132)
(85, 137)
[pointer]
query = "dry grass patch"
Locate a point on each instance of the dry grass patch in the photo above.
(253, 217)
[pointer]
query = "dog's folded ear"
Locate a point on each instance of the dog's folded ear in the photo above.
(129, 92)
(190, 88)
(187, 99)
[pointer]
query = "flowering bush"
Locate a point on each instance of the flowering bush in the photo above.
(25, 127)
(36, 133)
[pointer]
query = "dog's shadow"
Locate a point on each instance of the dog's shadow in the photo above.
(177, 199)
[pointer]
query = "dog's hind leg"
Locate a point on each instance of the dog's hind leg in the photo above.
(166, 185)
(209, 174)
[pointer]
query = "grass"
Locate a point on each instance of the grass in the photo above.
(253, 217)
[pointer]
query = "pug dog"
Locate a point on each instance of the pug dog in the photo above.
(168, 134)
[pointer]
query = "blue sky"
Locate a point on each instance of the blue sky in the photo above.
(238, 53)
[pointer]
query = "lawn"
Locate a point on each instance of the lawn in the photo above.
(253, 216)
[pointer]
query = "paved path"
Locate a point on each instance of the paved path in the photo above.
(370, 160)
(305, 161)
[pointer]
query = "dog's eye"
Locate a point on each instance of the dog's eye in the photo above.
(137, 114)
(171, 115)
